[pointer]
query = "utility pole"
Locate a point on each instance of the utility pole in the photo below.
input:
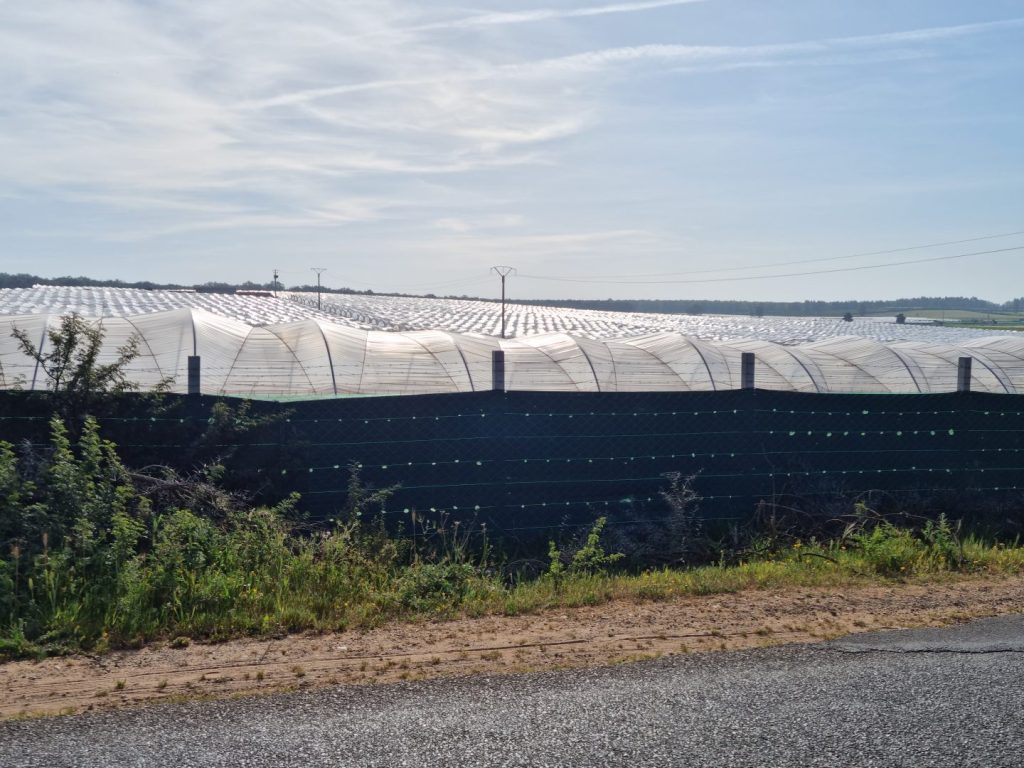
(503, 272)
(319, 271)
(274, 287)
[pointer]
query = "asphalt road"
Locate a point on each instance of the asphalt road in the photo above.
(951, 697)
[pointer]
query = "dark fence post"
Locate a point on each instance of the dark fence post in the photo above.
(963, 375)
(193, 374)
(747, 370)
(498, 370)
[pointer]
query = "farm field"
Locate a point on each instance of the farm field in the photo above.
(391, 313)
(356, 344)
(955, 314)
(126, 302)
(466, 316)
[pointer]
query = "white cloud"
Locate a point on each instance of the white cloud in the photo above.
(549, 14)
(159, 120)
(696, 56)
(462, 225)
(590, 61)
(165, 107)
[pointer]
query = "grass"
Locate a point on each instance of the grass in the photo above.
(360, 579)
(962, 318)
(1008, 326)
(783, 570)
(336, 580)
(979, 315)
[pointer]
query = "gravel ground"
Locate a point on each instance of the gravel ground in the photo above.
(917, 698)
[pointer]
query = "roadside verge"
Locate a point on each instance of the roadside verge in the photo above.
(616, 632)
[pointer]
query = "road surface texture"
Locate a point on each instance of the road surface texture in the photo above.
(936, 697)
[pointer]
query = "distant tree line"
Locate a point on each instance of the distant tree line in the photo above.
(23, 280)
(664, 306)
(790, 308)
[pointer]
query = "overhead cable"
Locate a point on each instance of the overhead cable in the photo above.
(777, 276)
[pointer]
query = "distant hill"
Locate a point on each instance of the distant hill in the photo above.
(926, 305)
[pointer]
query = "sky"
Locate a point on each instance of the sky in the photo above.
(715, 149)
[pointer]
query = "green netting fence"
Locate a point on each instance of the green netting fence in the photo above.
(523, 462)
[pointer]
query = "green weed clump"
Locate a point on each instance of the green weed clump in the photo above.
(874, 546)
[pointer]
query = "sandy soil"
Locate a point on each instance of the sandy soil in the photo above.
(612, 633)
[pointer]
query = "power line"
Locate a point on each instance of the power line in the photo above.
(813, 261)
(448, 283)
(773, 277)
(467, 280)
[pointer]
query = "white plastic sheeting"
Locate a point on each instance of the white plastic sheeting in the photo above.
(317, 357)
(466, 316)
(91, 301)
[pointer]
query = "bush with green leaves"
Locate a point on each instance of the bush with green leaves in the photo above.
(101, 555)
(589, 558)
(893, 550)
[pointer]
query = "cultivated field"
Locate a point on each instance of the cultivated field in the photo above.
(484, 317)
(468, 316)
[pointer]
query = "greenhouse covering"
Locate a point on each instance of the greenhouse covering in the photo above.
(317, 357)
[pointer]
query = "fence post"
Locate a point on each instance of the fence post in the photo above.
(193, 374)
(498, 370)
(747, 370)
(963, 374)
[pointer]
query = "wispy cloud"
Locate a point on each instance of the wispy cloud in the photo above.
(695, 57)
(715, 55)
(231, 125)
(461, 225)
(150, 109)
(550, 14)
(536, 249)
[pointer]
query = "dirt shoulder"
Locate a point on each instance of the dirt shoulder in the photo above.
(612, 633)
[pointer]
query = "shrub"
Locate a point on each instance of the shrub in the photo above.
(434, 586)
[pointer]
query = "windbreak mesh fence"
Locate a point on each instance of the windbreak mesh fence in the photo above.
(524, 462)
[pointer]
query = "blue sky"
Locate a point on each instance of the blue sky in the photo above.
(412, 145)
